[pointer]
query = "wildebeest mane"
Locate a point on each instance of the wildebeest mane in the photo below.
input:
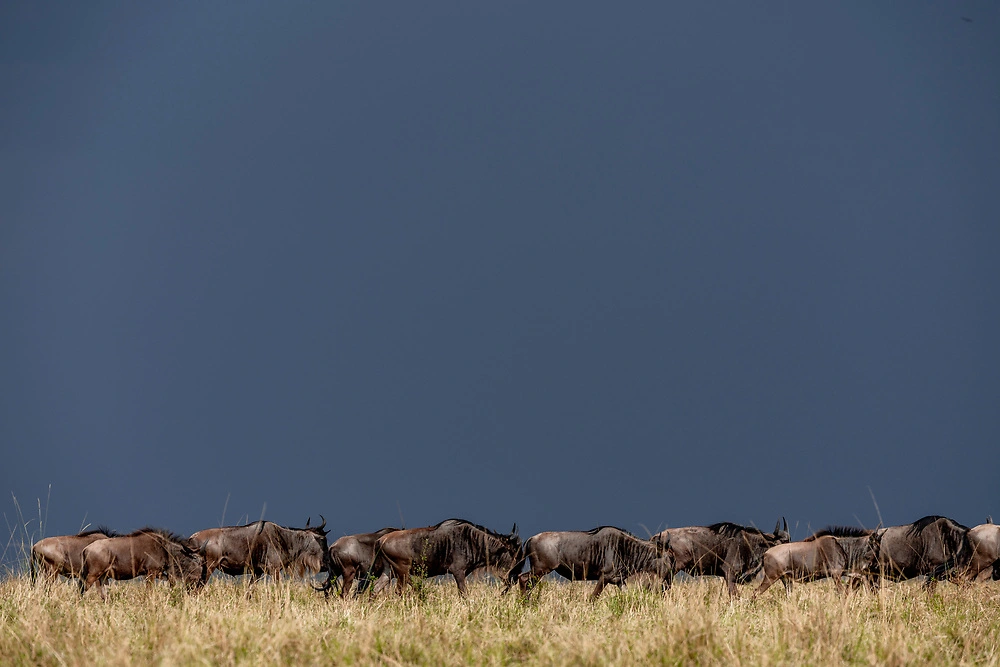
(919, 525)
(168, 535)
(841, 531)
(100, 530)
(460, 522)
(729, 529)
(595, 531)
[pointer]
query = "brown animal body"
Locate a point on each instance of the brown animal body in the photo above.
(725, 550)
(862, 547)
(605, 554)
(63, 554)
(456, 547)
(350, 557)
(148, 552)
(264, 548)
(818, 557)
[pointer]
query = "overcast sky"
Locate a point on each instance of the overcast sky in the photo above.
(565, 264)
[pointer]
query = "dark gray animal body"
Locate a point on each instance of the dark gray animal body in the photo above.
(934, 546)
(350, 557)
(818, 557)
(264, 548)
(725, 550)
(149, 552)
(63, 554)
(456, 547)
(605, 554)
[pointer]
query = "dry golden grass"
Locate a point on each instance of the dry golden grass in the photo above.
(694, 623)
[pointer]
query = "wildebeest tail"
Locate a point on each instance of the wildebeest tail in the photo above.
(31, 566)
(750, 574)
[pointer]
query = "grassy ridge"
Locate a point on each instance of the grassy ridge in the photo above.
(695, 623)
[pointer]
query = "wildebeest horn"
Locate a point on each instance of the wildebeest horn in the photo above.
(785, 523)
(308, 521)
(777, 527)
(989, 518)
(513, 530)
(322, 525)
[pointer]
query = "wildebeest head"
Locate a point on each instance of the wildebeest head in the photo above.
(869, 557)
(515, 548)
(506, 550)
(781, 535)
(312, 553)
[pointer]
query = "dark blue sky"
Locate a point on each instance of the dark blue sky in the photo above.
(564, 265)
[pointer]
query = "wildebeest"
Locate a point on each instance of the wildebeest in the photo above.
(861, 546)
(455, 546)
(984, 563)
(725, 550)
(818, 556)
(606, 554)
(149, 552)
(264, 548)
(350, 557)
(934, 546)
(63, 554)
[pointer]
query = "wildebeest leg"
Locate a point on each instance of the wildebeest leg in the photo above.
(460, 581)
(599, 588)
(764, 585)
(527, 581)
(383, 580)
(787, 581)
(402, 575)
(345, 586)
(731, 583)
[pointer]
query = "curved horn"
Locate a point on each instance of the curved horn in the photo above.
(785, 523)
(308, 521)
(322, 525)
(513, 530)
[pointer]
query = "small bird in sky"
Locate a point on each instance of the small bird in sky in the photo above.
(967, 19)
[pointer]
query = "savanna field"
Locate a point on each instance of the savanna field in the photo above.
(695, 623)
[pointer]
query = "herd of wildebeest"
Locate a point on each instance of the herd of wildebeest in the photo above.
(934, 547)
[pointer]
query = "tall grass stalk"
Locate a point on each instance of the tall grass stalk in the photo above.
(695, 623)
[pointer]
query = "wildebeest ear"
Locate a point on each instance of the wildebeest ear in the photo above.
(989, 518)
(777, 526)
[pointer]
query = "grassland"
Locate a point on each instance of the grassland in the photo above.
(695, 623)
